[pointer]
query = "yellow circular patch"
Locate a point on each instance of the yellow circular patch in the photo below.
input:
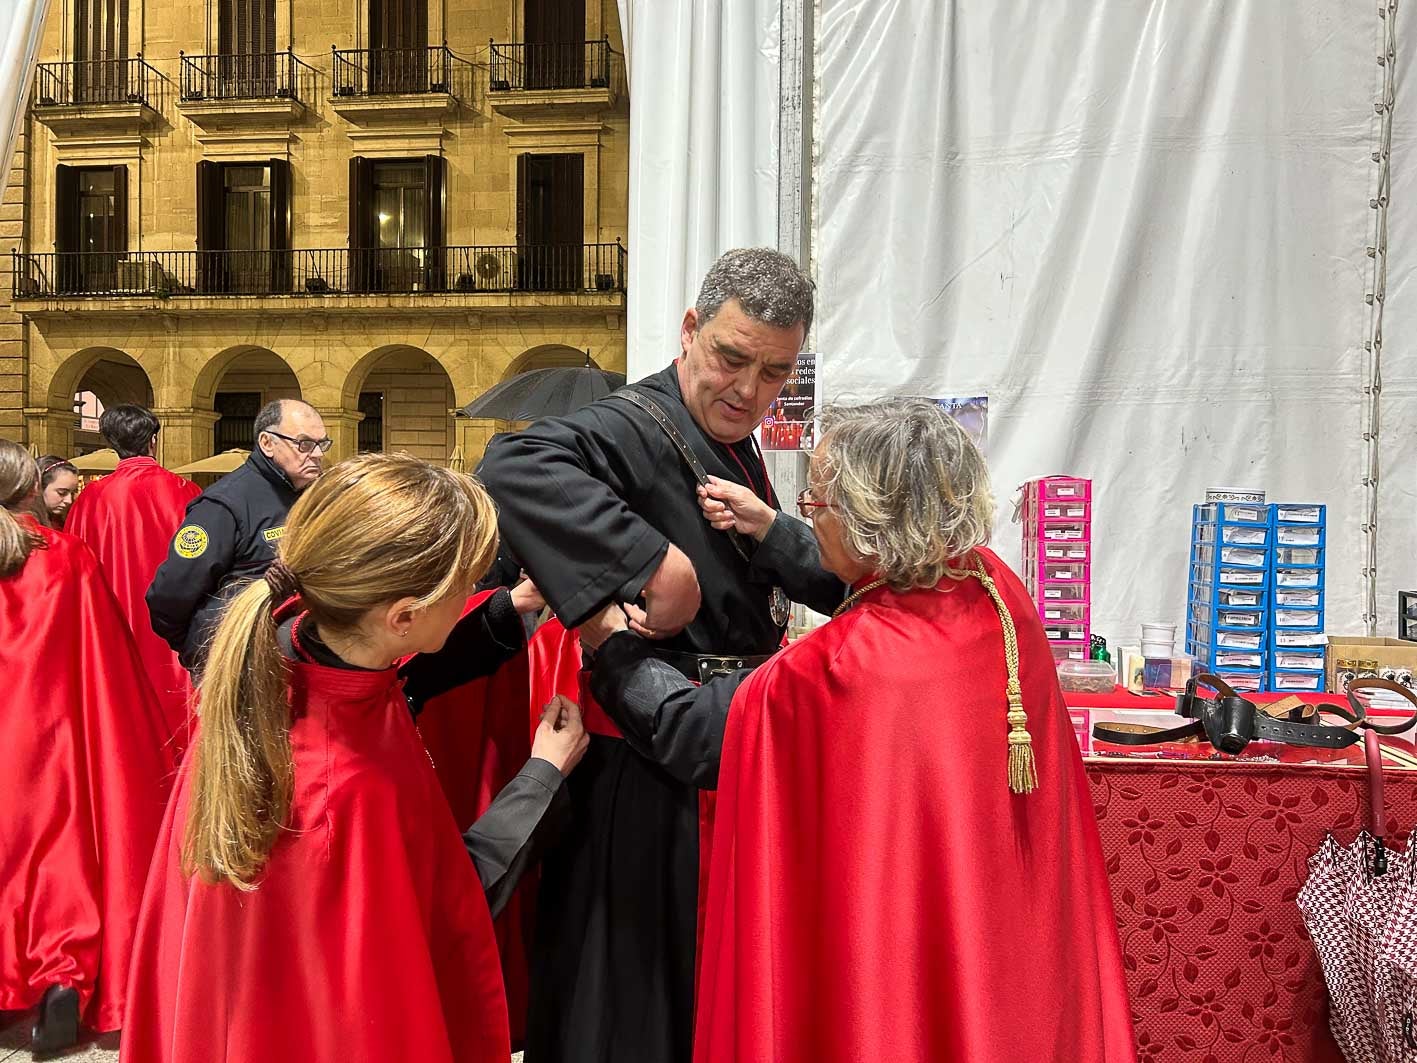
(191, 541)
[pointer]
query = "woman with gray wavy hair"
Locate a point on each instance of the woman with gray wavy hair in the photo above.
(905, 863)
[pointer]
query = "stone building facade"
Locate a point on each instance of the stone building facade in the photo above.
(383, 207)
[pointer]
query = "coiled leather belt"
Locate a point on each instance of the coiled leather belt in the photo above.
(1230, 722)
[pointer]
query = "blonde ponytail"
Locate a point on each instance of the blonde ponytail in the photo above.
(242, 774)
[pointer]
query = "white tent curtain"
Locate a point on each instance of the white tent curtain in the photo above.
(703, 153)
(20, 24)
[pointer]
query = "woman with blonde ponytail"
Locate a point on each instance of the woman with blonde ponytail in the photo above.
(86, 774)
(309, 898)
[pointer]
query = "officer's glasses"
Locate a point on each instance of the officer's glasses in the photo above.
(303, 444)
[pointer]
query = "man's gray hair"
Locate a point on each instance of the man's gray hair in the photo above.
(769, 286)
(909, 485)
(270, 415)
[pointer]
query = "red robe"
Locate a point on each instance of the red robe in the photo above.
(368, 937)
(83, 784)
(877, 892)
(128, 519)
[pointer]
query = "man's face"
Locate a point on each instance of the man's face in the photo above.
(298, 423)
(732, 369)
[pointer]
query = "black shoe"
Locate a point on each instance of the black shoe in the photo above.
(57, 1027)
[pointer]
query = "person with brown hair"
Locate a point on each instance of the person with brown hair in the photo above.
(58, 489)
(308, 898)
(85, 778)
(127, 518)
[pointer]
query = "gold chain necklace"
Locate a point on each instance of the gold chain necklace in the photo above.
(855, 596)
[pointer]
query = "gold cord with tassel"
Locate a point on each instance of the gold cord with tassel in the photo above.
(1023, 772)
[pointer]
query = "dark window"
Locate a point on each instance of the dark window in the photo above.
(237, 426)
(90, 226)
(396, 224)
(246, 42)
(550, 227)
(243, 226)
(398, 46)
(371, 429)
(554, 32)
(100, 48)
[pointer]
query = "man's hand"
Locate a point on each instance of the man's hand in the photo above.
(728, 505)
(526, 598)
(561, 736)
(671, 596)
(595, 631)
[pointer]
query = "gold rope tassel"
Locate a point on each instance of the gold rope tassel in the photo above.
(1023, 772)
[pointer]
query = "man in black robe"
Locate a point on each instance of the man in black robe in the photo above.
(601, 506)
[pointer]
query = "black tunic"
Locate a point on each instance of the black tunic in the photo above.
(590, 503)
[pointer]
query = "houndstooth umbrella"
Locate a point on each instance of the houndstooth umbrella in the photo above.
(1360, 907)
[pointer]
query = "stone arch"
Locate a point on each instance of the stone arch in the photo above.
(244, 367)
(415, 397)
(545, 357)
(112, 376)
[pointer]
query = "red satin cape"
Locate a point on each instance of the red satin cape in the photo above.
(368, 937)
(877, 892)
(85, 778)
(128, 518)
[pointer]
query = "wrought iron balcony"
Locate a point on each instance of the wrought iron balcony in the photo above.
(395, 71)
(267, 76)
(102, 81)
(470, 270)
(576, 65)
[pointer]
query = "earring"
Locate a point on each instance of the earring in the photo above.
(403, 634)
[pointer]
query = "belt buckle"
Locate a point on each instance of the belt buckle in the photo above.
(710, 667)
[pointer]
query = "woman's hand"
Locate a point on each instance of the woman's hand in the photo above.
(728, 505)
(561, 735)
(526, 598)
(602, 625)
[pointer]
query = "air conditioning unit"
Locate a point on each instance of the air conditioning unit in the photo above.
(139, 276)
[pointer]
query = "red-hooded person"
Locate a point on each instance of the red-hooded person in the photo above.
(309, 898)
(905, 863)
(86, 775)
(127, 519)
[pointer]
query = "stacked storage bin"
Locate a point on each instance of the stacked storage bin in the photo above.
(1297, 596)
(1057, 556)
(1228, 599)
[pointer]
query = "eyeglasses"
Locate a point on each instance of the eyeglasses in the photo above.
(303, 445)
(806, 504)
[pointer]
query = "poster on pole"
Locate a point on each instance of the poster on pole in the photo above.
(788, 424)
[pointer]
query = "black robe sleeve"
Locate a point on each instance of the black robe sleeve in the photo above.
(506, 839)
(664, 717)
(478, 645)
(788, 556)
(562, 487)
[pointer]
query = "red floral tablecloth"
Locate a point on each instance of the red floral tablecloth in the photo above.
(1206, 859)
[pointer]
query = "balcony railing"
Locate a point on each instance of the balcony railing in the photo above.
(98, 82)
(565, 268)
(267, 76)
(576, 65)
(395, 71)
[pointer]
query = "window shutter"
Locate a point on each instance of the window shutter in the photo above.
(66, 209)
(435, 237)
(119, 235)
(361, 223)
(280, 225)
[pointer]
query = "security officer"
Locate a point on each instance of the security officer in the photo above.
(229, 534)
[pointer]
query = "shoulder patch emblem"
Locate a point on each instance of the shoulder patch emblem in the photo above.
(273, 535)
(191, 541)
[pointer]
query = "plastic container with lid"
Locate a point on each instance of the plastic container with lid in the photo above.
(1086, 677)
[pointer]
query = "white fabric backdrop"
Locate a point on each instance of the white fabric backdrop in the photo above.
(20, 23)
(703, 153)
(1138, 227)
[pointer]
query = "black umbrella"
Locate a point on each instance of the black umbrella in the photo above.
(544, 393)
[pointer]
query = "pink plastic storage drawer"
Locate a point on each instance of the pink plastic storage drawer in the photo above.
(1063, 488)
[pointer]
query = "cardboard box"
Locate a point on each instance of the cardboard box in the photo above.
(1386, 658)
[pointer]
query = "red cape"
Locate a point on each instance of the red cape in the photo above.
(128, 519)
(368, 937)
(877, 892)
(84, 781)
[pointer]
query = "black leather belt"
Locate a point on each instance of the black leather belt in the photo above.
(701, 667)
(1231, 722)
